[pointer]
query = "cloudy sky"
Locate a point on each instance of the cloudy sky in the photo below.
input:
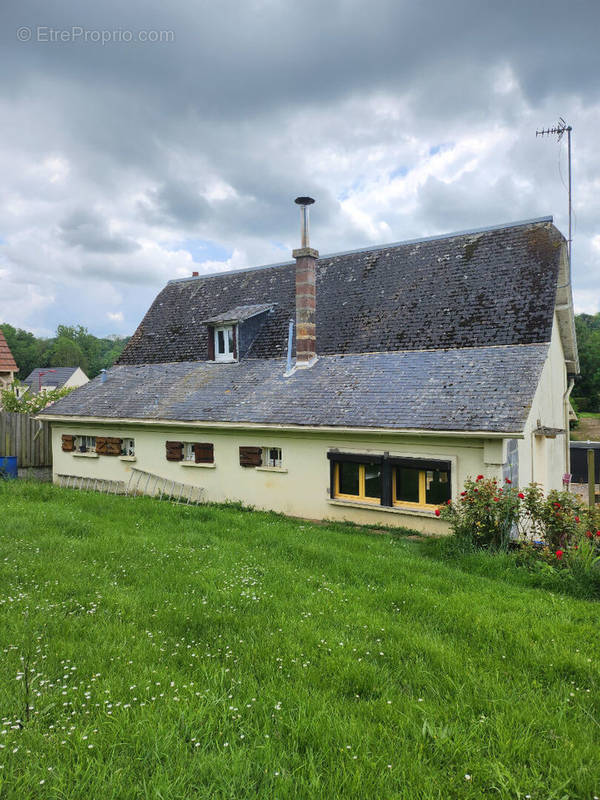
(180, 141)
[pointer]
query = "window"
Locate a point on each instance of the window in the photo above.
(224, 343)
(389, 480)
(420, 487)
(271, 456)
(190, 452)
(358, 481)
(128, 447)
(85, 444)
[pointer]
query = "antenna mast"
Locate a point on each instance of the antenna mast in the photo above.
(559, 130)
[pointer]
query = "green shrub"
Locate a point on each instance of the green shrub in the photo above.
(484, 515)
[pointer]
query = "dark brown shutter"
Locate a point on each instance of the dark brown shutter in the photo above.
(101, 445)
(68, 443)
(204, 453)
(112, 447)
(235, 327)
(174, 451)
(250, 456)
(211, 343)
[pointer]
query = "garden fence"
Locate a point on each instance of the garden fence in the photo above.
(26, 438)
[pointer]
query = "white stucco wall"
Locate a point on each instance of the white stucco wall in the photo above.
(544, 460)
(78, 378)
(302, 489)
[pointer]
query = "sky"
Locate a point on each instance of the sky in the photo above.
(142, 141)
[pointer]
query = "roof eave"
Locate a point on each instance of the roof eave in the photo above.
(259, 426)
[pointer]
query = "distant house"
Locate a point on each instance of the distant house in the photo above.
(411, 367)
(48, 378)
(8, 365)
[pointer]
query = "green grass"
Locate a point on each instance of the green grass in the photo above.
(212, 652)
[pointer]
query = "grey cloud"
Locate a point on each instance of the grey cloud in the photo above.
(88, 230)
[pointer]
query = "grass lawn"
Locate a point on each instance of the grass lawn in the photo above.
(158, 651)
(588, 428)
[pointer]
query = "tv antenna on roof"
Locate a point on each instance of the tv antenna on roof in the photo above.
(560, 130)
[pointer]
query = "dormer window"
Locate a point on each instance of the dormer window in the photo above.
(232, 332)
(224, 343)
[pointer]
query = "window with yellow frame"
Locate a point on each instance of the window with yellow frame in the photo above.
(357, 481)
(390, 480)
(422, 488)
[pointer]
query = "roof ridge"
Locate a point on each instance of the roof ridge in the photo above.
(373, 248)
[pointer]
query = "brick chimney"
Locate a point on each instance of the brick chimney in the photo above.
(306, 259)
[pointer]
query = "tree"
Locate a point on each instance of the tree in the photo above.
(30, 403)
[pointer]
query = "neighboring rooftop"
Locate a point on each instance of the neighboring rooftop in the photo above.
(7, 361)
(470, 389)
(488, 287)
(49, 376)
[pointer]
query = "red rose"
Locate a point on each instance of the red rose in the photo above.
(597, 533)
(507, 480)
(448, 502)
(479, 478)
(462, 494)
(588, 534)
(521, 496)
(556, 505)
(437, 512)
(559, 554)
(496, 499)
(576, 519)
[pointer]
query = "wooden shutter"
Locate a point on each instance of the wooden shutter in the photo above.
(205, 453)
(174, 451)
(113, 446)
(68, 443)
(101, 445)
(211, 343)
(250, 456)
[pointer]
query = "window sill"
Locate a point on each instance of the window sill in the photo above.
(193, 464)
(418, 512)
(85, 455)
(271, 469)
(127, 458)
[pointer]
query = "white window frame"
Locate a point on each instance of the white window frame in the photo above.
(127, 444)
(89, 442)
(188, 451)
(269, 463)
(228, 354)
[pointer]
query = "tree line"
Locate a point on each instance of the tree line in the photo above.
(586, 392)
(73, 346)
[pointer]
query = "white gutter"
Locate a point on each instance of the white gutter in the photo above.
(263, 426)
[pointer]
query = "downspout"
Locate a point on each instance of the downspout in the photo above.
(566, 397)
(289, 350)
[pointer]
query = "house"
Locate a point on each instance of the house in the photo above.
(8, 365)
(44, 379)
(417, 365)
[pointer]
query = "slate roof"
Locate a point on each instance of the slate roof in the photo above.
(239, 313)
(7, 361)
(481, 288)
(52, 376)
(470, 389)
